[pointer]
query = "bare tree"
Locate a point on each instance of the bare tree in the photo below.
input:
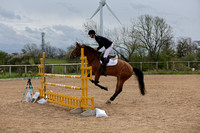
(90, 25)
(126, 43)
(185, 47)
(153, 33)
(29, 47)
(50, 51)
(61, 53)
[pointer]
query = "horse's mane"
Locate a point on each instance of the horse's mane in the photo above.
(91, 49)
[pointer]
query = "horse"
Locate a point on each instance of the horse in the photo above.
(122, 70)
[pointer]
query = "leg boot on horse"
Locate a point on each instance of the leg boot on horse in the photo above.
(103, 66)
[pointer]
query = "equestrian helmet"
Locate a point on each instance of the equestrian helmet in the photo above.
(91, 32)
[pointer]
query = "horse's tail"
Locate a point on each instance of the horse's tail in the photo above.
(140, 78)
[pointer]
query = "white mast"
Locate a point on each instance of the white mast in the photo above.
(102, 3)
(101, 17)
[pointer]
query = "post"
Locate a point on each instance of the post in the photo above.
(157, 66)
(173, 65)
(52, 68)
(189, 64)
(141, 66)
(25, 70)
(167, 65)
(9, 71)
(65, 70)
(77, 68)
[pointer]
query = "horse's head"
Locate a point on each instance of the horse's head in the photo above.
(76, 52)
(88, 51)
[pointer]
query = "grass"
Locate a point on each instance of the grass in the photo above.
(55, 61)
(16, 75)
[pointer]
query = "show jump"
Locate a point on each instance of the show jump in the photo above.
(67, 100)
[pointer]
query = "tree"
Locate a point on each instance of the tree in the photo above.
(182, 48)
(3, 57)
(31, 51)
(126, 43)
(197, 43)
(61, 53)
(153, 33)
(147, 36)
(168, 52)
(29, 47)
(185, 47)
(67, 54)
(90, 25)
(50, 51)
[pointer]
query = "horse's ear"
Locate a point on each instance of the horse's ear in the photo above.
(78, 44)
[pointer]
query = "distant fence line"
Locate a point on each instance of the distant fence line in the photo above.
(75, 67)
(8, 68)
(168, 65)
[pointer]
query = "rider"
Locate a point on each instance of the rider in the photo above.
(103, 42)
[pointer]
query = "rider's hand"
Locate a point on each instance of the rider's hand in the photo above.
(95, 49)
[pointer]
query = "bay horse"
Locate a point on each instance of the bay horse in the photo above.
(122, 70)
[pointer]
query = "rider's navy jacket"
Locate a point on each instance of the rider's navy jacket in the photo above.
(102, 41)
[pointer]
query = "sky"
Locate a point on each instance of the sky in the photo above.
(23, 21)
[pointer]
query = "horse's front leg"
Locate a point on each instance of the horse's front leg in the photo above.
(96, 81)
(96, 78)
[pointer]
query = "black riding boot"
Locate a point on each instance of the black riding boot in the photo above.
(103, 66)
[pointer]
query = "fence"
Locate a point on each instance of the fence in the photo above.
(169, 65)
(31, 70)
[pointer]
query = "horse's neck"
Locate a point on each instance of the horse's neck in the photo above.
(93, 58)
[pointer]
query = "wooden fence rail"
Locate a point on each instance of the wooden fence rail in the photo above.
(168, 65)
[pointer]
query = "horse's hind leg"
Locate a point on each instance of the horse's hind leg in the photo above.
(117, 91)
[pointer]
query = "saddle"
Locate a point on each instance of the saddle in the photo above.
(111, 59)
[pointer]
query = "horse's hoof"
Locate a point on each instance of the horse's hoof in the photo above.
(108, 102)
(105, 88)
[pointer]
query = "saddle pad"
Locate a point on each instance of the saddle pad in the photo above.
(111, 62)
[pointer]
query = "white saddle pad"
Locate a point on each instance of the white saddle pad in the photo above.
(112, 62)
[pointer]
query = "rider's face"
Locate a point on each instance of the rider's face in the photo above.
(91, 35)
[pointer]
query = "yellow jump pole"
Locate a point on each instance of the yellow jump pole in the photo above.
(41, 73)
(82, 77)
(43, 55)
(86, 85)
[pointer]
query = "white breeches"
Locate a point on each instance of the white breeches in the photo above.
(107, 51)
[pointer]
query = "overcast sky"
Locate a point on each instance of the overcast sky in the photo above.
(22, 21)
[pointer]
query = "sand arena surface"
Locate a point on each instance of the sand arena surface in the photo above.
(171, 105)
